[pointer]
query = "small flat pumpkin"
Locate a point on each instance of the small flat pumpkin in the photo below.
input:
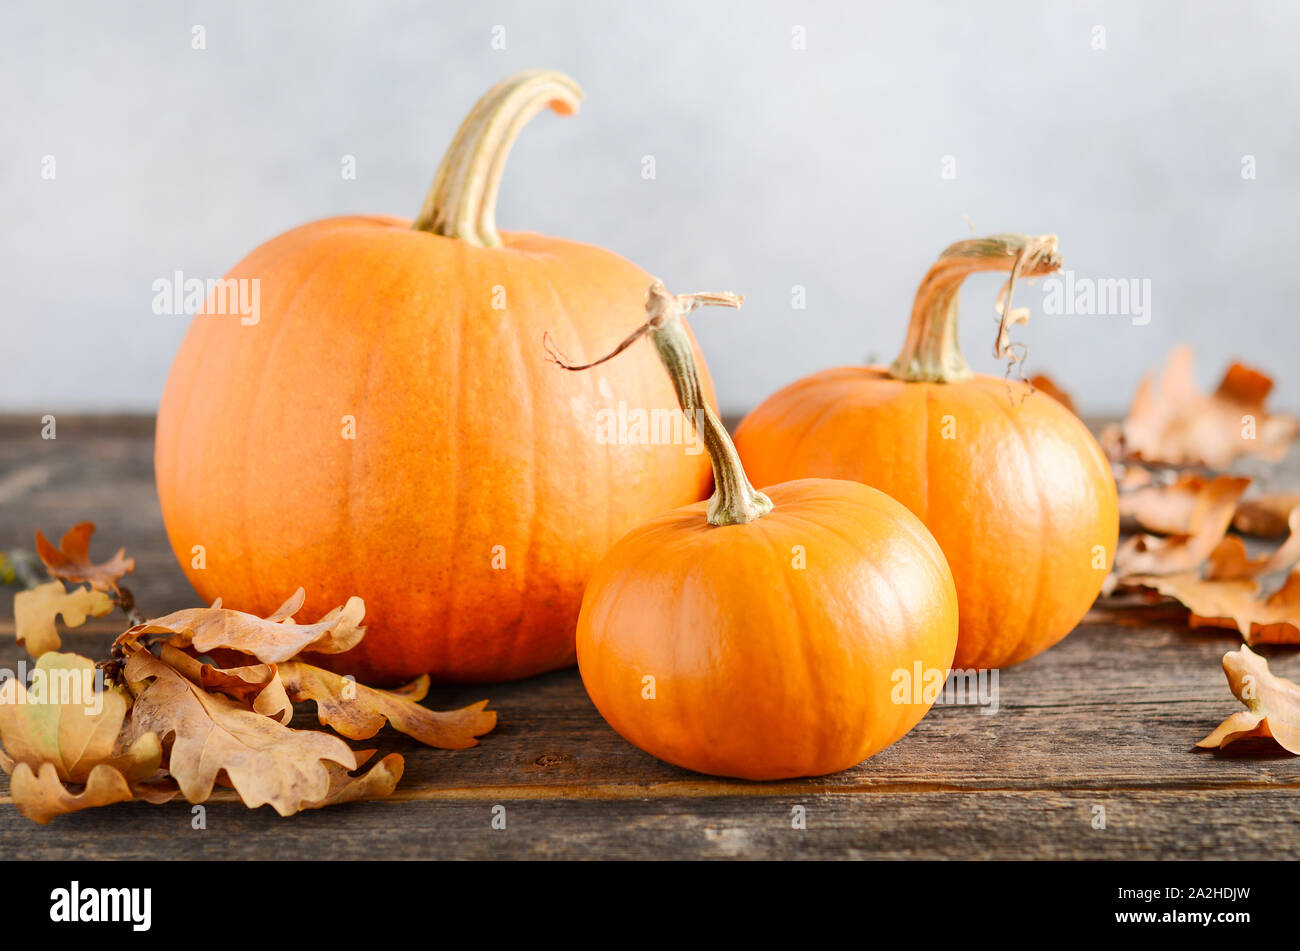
(1011, 483)
(763, 635)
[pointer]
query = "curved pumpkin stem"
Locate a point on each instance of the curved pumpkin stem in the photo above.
(930, 352)
(734, 500)
(463, 199)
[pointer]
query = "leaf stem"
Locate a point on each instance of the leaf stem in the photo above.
(126, 601)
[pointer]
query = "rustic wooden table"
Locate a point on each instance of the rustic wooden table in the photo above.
(1107, 719)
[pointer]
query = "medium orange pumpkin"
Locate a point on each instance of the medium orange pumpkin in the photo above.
(764, 635)
(1012, 484)
(386, 428)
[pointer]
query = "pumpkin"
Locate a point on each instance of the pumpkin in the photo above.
(1011, 483)
(388, 428)
(764, 635)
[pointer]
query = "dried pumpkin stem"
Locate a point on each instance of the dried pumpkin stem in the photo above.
(462, 201)
(930, 352)
(734, 500)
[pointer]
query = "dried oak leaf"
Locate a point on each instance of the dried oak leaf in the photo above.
(256, 685)
(1131, 477)
(1171, 422)
(1234, 603)
(271, 640)
(1230, 559)
(1277, 619)
(1166, 507)
(71, 560)
(63, 720)
(63, 732)
(376, 783)
(1266, 515)
(1224, 591)
(36, 609)
(212, 736)
(1163, 507)
(1210, 572)
(162, 788)
(1272, 702)
(40, 796)
(1208, 522)
(359, 712)
(1046, 384)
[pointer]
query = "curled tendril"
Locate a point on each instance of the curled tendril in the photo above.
(662, 308)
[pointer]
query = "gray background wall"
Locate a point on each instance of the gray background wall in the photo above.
(775, 166)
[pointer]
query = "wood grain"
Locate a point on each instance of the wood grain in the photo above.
(1108, 718)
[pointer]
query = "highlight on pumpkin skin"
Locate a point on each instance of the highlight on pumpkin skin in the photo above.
(462, 200)
(786, 632)
(429, 312)
(734, 501)
(1012, 484)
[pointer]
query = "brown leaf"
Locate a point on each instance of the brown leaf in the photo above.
(1230, 559)
(211, 735)
(271, 640)
(36, 609)
(71, 560)
(1227, 593)
(358, 712)
(157, 790)
(1047, 385)
(1171, 422)
(1131, 477)
(1208, 523)
(1278, 620)
(1266, 515)
(1163, 508)
(64, 721)
(1166, 507)
(1234, 603)
(258, 686)
(41, 795)
(1273, 704)
(376, 783)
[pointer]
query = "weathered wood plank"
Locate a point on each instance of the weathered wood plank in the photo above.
(1141, 824)
(1108, 707)
(1108, 717)
(95, 469)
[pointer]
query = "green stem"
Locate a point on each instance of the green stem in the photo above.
(462, 201)
(734, 500)
(931, 353)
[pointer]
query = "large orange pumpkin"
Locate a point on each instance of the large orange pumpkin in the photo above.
(765, 635)
(1011, 483)
(389, 426)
